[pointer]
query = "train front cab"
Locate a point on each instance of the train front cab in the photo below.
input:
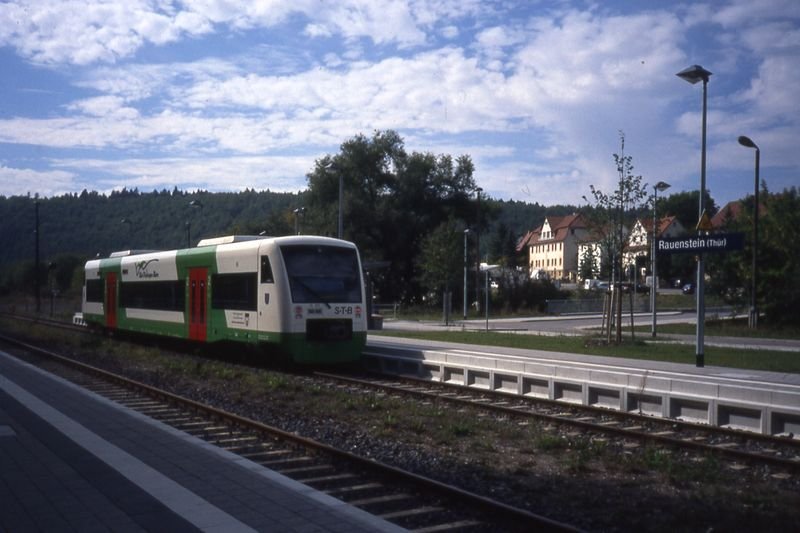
(317, 304)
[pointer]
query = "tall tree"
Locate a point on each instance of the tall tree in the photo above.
(683, 206)
(392, 200)
(778, 265)
(440, 258)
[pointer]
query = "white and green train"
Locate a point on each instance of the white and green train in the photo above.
(302, 295)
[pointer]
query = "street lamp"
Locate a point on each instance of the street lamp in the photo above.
(694, 74)
(483, 267)
(36, 277)
(660, 186)
(300, 211)
(195, 204)
(51, 267)
(753, 321)
(466, 233)
(478, 192)
(331, 166)
(129, 222)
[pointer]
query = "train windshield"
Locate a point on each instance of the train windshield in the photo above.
(322, 274)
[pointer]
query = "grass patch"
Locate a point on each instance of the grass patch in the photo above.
(730, 328)
(674, 353)
(549, 442)
(706, 469)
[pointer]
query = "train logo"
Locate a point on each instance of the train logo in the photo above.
(142, 272)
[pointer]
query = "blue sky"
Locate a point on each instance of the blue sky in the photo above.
(224, 95)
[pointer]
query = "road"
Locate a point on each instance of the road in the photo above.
(577, 324)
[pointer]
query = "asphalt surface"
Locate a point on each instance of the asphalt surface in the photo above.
(578, 324)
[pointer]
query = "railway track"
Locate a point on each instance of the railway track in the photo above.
(404, 498)
(744, 448)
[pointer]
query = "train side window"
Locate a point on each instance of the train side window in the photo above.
(158, 295)
(234, 291)
(266, 270)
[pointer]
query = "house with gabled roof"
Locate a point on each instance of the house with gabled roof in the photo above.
(552, 248)
(732, 211)
(640, 239)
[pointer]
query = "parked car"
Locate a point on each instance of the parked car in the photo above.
(641, 287)
(629, 287)
(688, 288)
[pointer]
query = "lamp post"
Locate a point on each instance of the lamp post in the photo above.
(36, 277)
(51, 266)
(753, 319)
(129, 222)
(486, 268)
(660, 186)
(694, 74)
(298, 212)
(340, 230)
(478, 192)
(330, 167)
(466, 233)
(195, 204)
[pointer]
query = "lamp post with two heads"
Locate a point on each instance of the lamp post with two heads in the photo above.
(298, 212)
(660, 186)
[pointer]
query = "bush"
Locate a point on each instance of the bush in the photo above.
(515, 295)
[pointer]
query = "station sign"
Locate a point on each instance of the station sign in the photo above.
(696, 244)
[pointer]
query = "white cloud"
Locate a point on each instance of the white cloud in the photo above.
(279, 174)
(742, 12)
(77, 32)
(498, 37)
(450, 32)
(71, 31)
(105, 106)
(773, 94)
(46, 183)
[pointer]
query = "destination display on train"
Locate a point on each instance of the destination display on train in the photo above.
(695, 244)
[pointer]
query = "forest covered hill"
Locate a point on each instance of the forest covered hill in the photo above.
(89, 224)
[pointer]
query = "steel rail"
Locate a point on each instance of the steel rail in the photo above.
(637, 434)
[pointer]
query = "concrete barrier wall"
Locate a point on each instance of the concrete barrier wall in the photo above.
(772, 409)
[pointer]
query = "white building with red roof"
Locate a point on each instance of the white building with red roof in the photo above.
(552, 248)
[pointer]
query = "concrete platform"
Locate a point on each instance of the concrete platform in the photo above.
(71, 460)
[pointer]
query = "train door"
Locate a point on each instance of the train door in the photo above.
(111, 300)
(197, 303)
